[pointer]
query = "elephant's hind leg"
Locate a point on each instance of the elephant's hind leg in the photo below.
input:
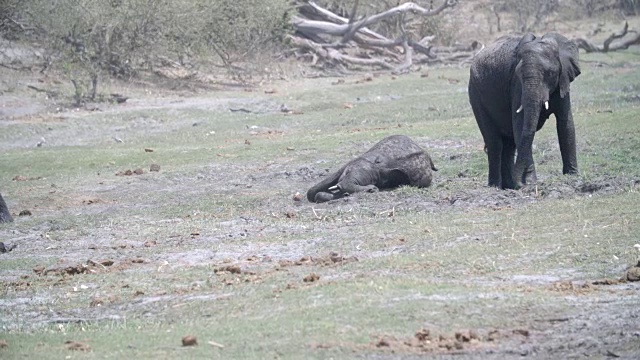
(491, 136)
(494, 153)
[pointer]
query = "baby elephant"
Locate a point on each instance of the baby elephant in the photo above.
(5, 216)
(396, 160)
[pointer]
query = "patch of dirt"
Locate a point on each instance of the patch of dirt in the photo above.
(20, 106)
(98, 301)
(333, 258)
(571, 287)
(19, 285)
(137, 171)
(608, 282)
(313, 277)
(232, 269)
(426, 341)
(89, 267)
(575, 186)
(77, 346)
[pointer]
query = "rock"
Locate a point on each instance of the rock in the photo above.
(189, 340)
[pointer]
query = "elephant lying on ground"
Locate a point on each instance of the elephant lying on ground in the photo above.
(514, 86)
(5, 216)
(395, 160)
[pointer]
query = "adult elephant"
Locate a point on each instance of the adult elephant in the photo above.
(5, 216)
(515, 84)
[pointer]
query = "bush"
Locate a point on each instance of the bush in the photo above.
(93, 38)
(237, 30)
(12, 19)
(629, 7)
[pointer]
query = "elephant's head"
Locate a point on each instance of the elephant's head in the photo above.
(545, 67)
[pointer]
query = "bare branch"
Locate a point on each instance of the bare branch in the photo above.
(609, 44)
(329, 16)
(351, 30)
(336, 56)
(314, 26)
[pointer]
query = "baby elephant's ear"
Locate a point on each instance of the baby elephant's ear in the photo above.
(568, 54)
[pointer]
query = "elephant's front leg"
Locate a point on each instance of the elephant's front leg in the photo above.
(567, 136)
(529, 176)
(360, 176)
(341, 190)
(351, 188)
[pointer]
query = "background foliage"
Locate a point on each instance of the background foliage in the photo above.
(90, 39)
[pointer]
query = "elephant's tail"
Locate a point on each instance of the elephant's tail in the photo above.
(325, 184)
(433, 167)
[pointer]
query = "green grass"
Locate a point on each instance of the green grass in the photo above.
(449, 257)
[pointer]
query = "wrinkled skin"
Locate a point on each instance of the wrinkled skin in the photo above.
(5, 216)
(394, 161)
(515, 85)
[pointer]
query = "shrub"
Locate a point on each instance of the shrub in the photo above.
(94, 38)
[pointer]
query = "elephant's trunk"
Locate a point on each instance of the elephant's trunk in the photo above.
(531, 107)
(325, 185)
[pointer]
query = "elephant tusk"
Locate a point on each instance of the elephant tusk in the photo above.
(546, 105)
(333, 188)
(519, 110)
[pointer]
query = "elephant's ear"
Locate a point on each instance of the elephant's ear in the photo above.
(570, 69)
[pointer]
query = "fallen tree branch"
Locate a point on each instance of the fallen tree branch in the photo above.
(609, 44)
(314, 26)
(329, 16)
(326, 38)
(51, 94)
(351, 30)
(335, 56)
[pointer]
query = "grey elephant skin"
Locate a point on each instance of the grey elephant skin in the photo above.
(515, 85)
(5, 216)
(394, 161)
